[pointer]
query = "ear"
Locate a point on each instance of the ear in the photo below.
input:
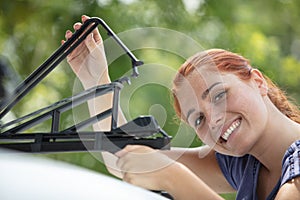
(259, 81)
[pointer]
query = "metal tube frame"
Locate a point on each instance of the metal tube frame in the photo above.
(71, 139)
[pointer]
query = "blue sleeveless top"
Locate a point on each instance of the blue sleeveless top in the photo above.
(242, 172)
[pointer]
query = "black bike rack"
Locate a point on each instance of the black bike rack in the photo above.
(143, 130)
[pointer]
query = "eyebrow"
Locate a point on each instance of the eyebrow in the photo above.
(206, 92)
(189, 113)
(204, 95)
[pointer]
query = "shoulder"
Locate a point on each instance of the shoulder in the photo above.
(290, 177)
(291, 163)
(289, 190)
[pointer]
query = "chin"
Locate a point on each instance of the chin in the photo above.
(239, 152)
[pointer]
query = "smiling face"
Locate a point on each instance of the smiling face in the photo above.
(227, 113)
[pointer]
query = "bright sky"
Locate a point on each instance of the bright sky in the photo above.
(190, 5)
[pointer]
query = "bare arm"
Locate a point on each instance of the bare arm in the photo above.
(289, 190)
(186, 185)
(205, 167)
(88, 61)
(148, 168)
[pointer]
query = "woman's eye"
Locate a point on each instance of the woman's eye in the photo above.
(219, 96)
(199, 120)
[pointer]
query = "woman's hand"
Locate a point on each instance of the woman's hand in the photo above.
(88, 60)
(145, 167)
(150, 169)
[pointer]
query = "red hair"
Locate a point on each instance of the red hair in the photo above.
(226, 61)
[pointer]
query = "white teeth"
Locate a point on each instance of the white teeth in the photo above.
(228, 132)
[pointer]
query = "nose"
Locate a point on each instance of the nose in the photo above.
(215, 117)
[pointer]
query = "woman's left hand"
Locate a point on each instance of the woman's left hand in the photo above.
(145, 167)
(88, 60)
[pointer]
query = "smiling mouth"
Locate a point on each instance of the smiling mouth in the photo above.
(230, 130)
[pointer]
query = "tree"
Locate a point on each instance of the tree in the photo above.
(266, 32)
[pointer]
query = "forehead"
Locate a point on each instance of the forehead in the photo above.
(199, 80)
(190, 90)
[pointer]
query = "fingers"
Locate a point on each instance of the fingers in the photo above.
(110, 161)
(133, 148)
(96, 34)
(84, 18)
(127, 149)
(127, 177)
(90, 42)
(92, 39)
(77, 26)
(68, 34)
(135, 159)
(121, 154)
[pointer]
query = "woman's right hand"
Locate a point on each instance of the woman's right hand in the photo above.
(88, 60)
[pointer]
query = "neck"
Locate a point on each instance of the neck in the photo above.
(280, 133)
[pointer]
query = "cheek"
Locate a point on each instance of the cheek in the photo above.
(205, 136)
(251, 106)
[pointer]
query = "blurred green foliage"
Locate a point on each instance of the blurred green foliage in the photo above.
(266, 32)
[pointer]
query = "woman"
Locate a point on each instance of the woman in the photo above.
(251, 130)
